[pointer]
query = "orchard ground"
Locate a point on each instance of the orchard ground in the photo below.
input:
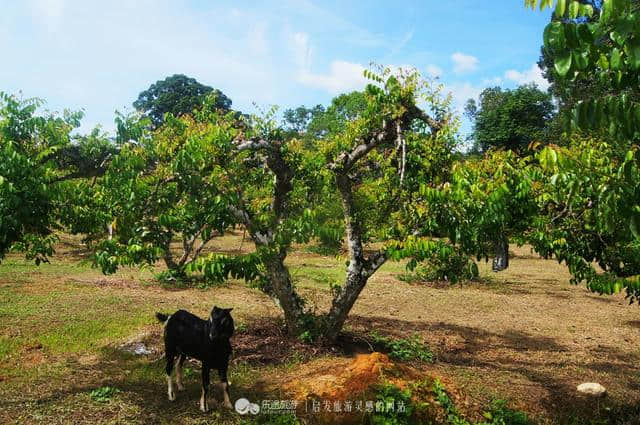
(524, 335)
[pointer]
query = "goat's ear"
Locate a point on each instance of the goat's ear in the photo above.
(228, 310)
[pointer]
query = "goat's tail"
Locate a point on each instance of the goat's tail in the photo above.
(162, 317)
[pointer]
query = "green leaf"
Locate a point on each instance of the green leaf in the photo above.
(554, 37)
(574, 8)
(581, 59)
(545, 4)
(616, 59)
(560, 8)
(633, 58)
(586, 10)
(571, 35)
(584, 34)
(603, 62)
(606, 12)
(563, 63)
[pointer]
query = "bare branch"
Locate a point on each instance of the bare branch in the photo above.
(244, 145)
(435, 125)
(346, 160)
(375, 261)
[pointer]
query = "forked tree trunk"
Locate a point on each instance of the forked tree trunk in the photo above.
(501, 258)
(280, 289)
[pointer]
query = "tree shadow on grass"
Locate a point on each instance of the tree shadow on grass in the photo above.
(538, 359)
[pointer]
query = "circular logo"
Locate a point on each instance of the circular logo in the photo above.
(244, 406)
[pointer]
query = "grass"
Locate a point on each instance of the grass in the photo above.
(525, 335)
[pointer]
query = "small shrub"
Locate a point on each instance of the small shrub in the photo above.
(103, 394)
(313, 327)
(452, 268)
(500, 414)
(404, 349)
(389, 398)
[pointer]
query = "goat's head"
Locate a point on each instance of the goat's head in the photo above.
(221, 323)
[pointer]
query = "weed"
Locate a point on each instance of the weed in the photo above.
(103, 394)
(404, 349)
(393, 406)
(498, 414)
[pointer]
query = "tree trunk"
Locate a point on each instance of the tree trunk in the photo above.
(343, 302)
(501, 259)
(360, 268)
(282, 289)
(168, 256)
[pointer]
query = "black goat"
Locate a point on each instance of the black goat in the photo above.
(186, 335)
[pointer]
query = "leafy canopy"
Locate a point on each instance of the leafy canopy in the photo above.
(510, 119)
(33, 165)
(178, 95)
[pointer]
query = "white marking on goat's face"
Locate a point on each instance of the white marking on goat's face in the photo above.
(170, 392)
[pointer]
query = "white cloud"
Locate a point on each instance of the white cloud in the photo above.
(532, 75)
(464, 63)
(491, 82)
(434, 71)
(461, 92)
(301, 50)
(343, 76)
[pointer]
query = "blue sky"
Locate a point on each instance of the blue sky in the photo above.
(97, 55)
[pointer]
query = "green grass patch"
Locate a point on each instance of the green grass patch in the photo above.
(103, 394)
(318, 275)
(7, 347)
(403, 349)
(70, 318)
(87, 334)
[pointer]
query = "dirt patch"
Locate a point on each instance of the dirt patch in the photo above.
(360, 379)
(266, 342)
(107, 282)
(340, 379)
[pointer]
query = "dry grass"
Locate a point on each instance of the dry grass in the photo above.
(525, 335)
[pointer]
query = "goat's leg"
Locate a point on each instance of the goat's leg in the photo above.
(222, 373)
(204, 406)
(170, 360)
(179, 362)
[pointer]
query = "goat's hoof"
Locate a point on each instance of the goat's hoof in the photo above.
(172, 396)
(180, 387)
(204, 409)
(228, 405)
